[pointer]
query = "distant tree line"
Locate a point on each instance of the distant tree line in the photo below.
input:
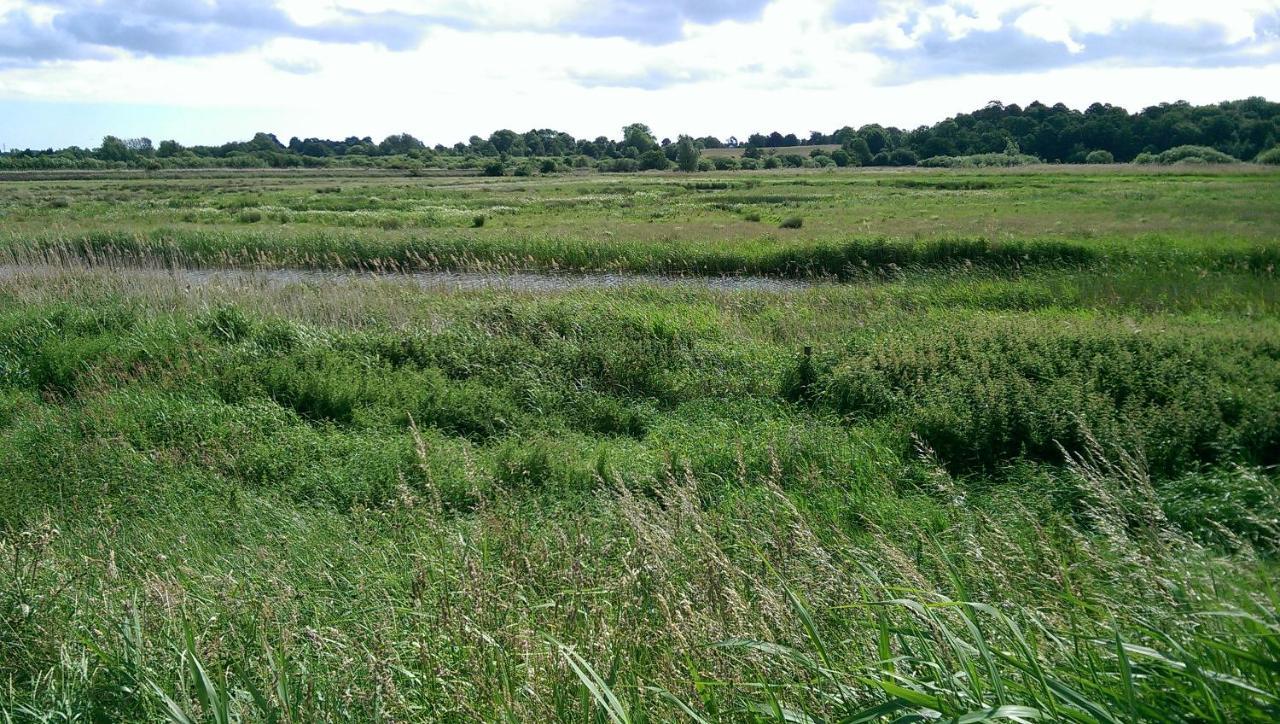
(996, 134)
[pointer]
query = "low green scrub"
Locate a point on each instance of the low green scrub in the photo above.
(985, 392)
(982, 160)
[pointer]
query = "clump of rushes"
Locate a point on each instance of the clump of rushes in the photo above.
(477, 221)
(792, 222)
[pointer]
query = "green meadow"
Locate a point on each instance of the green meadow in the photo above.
(983, 445)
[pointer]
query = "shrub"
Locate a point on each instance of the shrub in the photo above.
(548, 165)
(1145, 158)
(1270, 157)
(60, 202)
(793, 222)
(705, 164)
(250, 216)
(654, 160)
(748, 164)
(772, 162)
(982, 396)
(725, 163)
(980, 160)
(1099, 156)
(1194, 154)
(619, 165)
(753, 216)
(880, 159)
(525, 169)
(494, 168)
(477, 221)
(903, 157)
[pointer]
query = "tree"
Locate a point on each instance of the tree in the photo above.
(505, 142)
(400, 143)
(859, 151)
(169, 149)
(639, 137)
(687, 154)
(140, 146)
(114, 149)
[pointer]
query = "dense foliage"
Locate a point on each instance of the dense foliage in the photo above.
(1237, 130)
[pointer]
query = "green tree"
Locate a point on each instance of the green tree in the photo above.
(859, 151)
(507, 142)
(639, 137)
(687, 154)
(168, 149)
(114, 149)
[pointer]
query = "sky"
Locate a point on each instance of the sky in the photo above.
(210, 71)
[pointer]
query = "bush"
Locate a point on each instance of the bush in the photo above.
(793, 222)
(1099, 156)
(772, 162)
(725, 163)
(753, 216)
(1194, 155)
(549, 165)
(748, 164)
(982, 396)
(250, 216)
(654, 160)
(619, 165)
(841, 157)
(525, 169)
(1270, 157)
(880, 159)
(903, 157)
(706, 164)
(980, 160)
(494, 168)
(477, 221)
(1145, 158)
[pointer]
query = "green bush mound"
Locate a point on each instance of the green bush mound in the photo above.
(981, 396)
(1194, 155)
(981, 160)
(1270, 157)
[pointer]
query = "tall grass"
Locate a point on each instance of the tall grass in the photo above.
(1007, 481)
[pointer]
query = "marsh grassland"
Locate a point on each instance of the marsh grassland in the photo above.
(1026, 470)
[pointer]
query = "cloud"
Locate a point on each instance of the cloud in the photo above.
(656, 22)
(1020, 43)
(79, 29)
(296, 66)
(22, 39)
(646, 78)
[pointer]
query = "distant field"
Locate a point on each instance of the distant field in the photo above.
(985, 446)
(802, 150)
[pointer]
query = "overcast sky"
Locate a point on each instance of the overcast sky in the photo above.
(206, 71)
